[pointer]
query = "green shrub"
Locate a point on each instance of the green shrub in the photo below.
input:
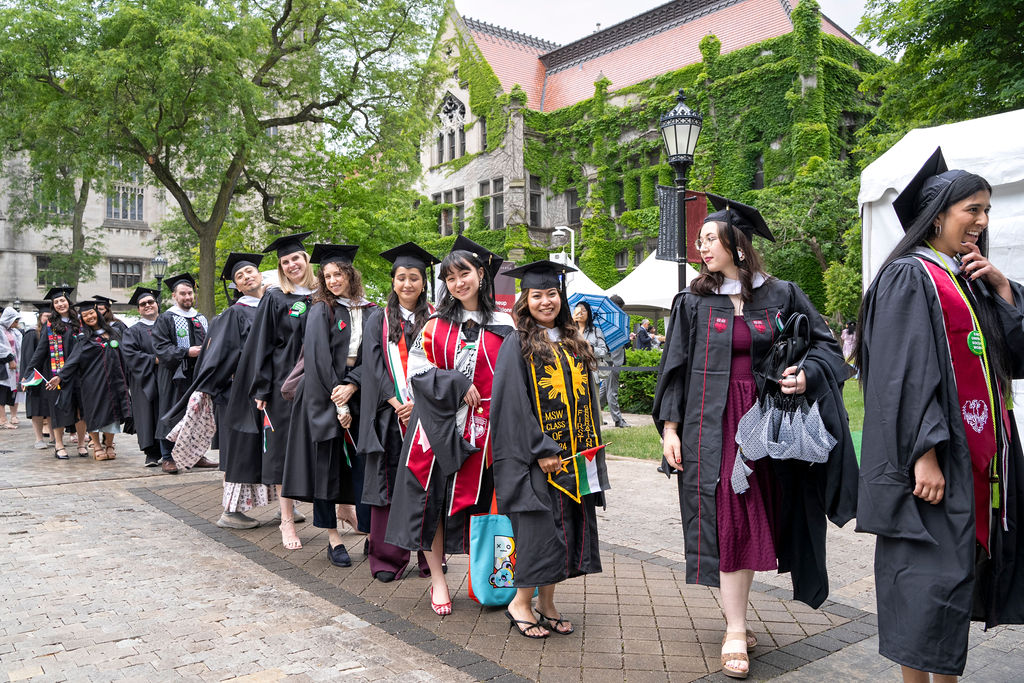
(636, 389)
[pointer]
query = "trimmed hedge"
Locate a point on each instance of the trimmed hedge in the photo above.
(636, 389)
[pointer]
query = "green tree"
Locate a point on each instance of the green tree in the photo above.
(953, 60)
(219, 99)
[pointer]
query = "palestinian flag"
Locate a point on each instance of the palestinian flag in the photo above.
(266, 425)
(586, 468)
(33, 381)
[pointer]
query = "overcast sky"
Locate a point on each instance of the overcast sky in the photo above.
(563, 21)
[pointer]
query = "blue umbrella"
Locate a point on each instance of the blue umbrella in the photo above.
(612, 320)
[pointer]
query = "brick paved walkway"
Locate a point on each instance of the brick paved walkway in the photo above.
(115, 572)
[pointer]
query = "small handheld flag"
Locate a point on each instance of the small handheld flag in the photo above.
(266, 425)
(35, 380)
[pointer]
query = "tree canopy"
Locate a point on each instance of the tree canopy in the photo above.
(221, 98)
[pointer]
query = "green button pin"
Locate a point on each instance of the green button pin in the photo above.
(182, 333)
(975, 343)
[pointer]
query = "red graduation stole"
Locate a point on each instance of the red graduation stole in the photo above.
(441, 345)
(978, 403)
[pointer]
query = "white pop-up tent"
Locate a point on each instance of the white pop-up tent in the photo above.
(650, 288)
(992, 147)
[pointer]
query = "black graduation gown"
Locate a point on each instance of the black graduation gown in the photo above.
(315, 465)
(35, 402)
(64, 408)
(556, 537)
(380, 436)
(415, 513)
(175, 371)
(140, 360)
(96, 365)
(928, 581)
(219, 364)
(693, 384)
(270, 354)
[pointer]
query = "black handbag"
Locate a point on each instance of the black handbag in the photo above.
(790, 349)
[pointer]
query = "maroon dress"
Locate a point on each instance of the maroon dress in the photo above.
(744, 528)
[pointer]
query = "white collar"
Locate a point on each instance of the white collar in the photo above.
(147, 322)
(730, 286)
(407, 315)
(350, 303)
(554, 334)
(302, 291)
(250, 301)
(940, 258)
(497, 318)
(178, 310)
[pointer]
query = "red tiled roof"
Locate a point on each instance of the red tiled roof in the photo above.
(739, 25)
(830, 27)
(513, 59)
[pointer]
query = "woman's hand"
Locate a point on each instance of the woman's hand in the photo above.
(931, 485)
(472, 398)
(403, 412)
(550, 464)
(342, 393)
(261, 404)
(671, 447)
(974, 266)
(345, 420)
(53, 383)
(791, 382)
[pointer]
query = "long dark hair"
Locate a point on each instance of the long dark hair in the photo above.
(449, 308)
(57, 324)
(708, 283)
(355, 284)
(536, 344)
(420, 313)
(923, 229)
(101, 324)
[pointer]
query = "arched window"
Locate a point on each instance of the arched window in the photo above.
(452, 119)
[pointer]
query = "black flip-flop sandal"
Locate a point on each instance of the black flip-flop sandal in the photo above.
(553, 624)
(57, 453)
(527, 624)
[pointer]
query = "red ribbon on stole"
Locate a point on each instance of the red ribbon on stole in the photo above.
(973, 388)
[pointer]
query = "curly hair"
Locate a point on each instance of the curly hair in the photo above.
(57, 324)
(537, 345)
(355, 283)
(708, 283)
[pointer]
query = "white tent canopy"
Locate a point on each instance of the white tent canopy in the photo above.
(992, 147)
(650, 288)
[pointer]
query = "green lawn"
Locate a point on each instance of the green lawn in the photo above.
(644, 442)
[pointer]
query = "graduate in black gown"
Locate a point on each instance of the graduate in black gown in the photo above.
(36, 407)
(140, 359)
(322, 464)
(941, 479)
(56, 343)
(96, 365)
(386, 399)
(447, 476)
(105, 310)
(549, 467)
(270, 353)
(720, 330)
(178, 337)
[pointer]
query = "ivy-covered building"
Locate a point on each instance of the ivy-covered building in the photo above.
(531, 135)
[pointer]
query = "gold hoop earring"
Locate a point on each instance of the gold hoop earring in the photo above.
(938, 229)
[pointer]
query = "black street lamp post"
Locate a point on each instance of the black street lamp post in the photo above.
(159, 265)
(680, 129)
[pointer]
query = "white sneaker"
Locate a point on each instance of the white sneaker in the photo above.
(236, 520)
(40, 445)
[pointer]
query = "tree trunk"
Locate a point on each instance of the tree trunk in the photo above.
(77, 232)
(207, 267)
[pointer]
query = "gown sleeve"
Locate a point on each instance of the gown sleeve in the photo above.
(373, 387)
(670, 392)
(263, 336)
(903, 414)
(517, 438)
(825, 350)
(221, 351)
(320, 375)
(1011, 318)
(72, 366)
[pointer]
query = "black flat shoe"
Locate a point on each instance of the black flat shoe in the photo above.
(526, 626)
(384, 577)
(338, 555)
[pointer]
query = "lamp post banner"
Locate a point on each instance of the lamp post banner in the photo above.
(668, 228)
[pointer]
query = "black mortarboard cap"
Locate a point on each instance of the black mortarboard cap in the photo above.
(40, 306)
(927, 184)
(176, 280)
(104, 299)
(287, 244)
(141, 292)
(86, 304)
(62, 291)
(410, 255)
(333, 253)
(741, 216)
(541, 274)
(238, 260)
(491, 260)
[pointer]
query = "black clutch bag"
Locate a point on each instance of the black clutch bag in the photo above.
(789, 349)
